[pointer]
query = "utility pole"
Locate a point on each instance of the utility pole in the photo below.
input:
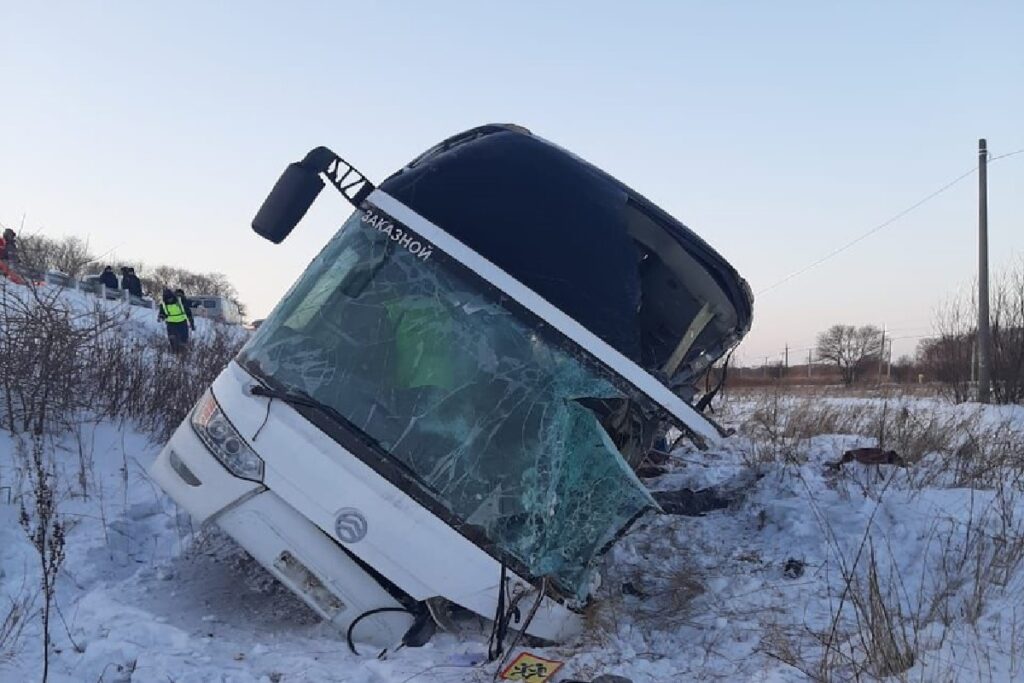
(888, 361)
(881, 353)
(974, 361)
(808, 362)
(984, 333)
(787, 355)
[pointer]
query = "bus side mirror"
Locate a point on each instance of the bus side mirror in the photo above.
(287, 203)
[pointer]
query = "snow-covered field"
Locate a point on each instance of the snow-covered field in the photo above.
(810, 572)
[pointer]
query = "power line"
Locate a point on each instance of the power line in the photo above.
(870, 232)
(886, 223)
(1003, 156)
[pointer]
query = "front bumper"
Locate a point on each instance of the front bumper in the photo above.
(286, 543)
(307, 561)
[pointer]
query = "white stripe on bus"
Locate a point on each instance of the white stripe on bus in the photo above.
(551, 314)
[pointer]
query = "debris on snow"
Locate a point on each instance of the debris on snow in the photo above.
(689, 502)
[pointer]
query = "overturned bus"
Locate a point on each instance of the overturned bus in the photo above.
(445, 411)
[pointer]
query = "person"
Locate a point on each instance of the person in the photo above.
(9, 246)
(9, 257)
(180, 293)
(132, 283)
(10, 239)
(173, 313)
(108, 278)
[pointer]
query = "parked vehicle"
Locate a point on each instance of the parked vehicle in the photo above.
(446, 409)
(216, 308)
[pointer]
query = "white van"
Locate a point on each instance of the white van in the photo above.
(443, 414)
(216, 308)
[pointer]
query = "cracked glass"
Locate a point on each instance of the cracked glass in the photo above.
(482, 407)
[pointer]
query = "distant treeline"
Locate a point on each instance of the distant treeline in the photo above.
(948, 358)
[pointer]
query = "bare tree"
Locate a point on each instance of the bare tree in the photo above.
(849, 348)
(70, 255)
(904, 370)
(950, 357)
(1008, 335)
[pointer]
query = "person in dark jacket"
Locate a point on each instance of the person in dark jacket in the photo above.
(173, 313)
(108, 278)
(131, 282)
(180, 293)
(9, 246)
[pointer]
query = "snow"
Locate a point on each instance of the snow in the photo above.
(137, 322)
(742, 593)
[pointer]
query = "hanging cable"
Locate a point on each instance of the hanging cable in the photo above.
(541, 591)
(886, 223)
(1003, 156)
(705, 400)
(370, 613)
(496, 642)
(871, 232)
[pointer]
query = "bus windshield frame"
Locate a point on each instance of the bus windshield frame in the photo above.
(486, 415)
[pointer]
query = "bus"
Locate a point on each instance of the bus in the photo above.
(444, 414)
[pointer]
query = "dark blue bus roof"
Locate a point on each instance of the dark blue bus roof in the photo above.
(556, 223)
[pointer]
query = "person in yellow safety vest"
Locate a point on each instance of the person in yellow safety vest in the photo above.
(172, 312)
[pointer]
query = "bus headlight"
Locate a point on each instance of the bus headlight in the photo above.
(217, 433)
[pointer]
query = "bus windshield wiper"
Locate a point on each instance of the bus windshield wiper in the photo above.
(293, 397)
(301, 398)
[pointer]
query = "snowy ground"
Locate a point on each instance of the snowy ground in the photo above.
(810, 573)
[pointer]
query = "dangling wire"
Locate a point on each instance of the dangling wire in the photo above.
(705, 400)
(541, 591)
(496, 643)
(370, 613)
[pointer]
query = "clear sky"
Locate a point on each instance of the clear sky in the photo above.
(777, 131)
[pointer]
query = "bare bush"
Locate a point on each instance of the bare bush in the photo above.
(158, 388)
(45, 530)
(58, 365)
(46, 355)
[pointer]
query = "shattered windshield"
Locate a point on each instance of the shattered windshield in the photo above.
(482, 407)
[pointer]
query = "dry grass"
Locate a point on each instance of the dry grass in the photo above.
(884, 621)
(874, 612)
(13, 616)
